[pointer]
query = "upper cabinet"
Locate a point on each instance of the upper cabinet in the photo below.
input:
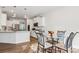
(40, 20)
(3, 19)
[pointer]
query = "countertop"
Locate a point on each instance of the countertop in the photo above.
(12, 31)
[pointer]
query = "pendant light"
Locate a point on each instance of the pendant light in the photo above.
(25, 17)
(25, 13)
(13, 11)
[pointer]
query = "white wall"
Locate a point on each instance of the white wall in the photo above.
(66, 18)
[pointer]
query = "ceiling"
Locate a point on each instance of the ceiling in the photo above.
(31, 11)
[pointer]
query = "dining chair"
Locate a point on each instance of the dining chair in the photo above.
(61, 46)
(60, 36)
(42, 42)
(74, 45)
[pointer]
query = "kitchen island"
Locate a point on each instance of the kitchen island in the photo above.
(14, 37)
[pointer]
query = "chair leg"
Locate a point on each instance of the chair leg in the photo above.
(55, 49)
(38, 49)
(67, 50)
(52, 49)
(71, 50)
(44, 50)
(60, 50)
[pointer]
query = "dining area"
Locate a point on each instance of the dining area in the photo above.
(48, 42)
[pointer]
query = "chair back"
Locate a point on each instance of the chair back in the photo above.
(41, 33)
(69, 40)
(40, 38)
(60, 35)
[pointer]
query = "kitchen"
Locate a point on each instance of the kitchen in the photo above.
(12, 29)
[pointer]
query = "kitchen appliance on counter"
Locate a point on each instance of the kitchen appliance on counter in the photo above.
(22, 26)
(15, 27)
(3, 28)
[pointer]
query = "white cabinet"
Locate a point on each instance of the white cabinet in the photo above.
(3, 19)
(22, 36)
(40, 20)
(15, 37)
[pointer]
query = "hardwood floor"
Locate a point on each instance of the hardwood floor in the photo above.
(17, 48)
(26, 47)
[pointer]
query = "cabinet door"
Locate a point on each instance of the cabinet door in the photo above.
(3, 19)
(40, 20)
(0, 21)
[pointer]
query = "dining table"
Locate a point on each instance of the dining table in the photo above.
(56, 45)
